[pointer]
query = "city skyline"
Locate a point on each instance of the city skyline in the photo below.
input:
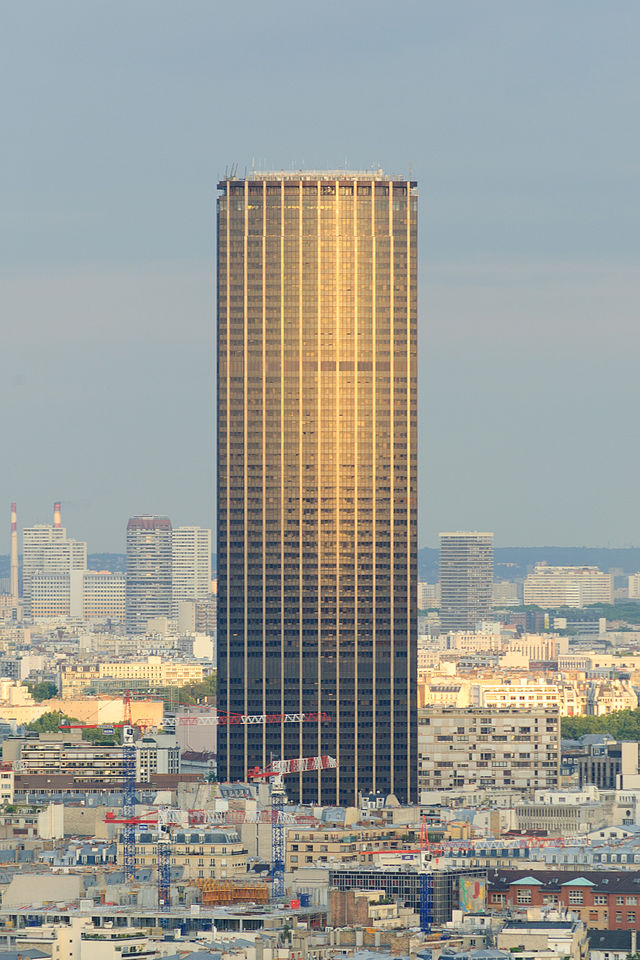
(514, 118)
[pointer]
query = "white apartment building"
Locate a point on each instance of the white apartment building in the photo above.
(97, 595)
(49, 556)
(527, 694)
(465, 641)
(505, 749)
(428, 595)
(191, 565)
(634, 586)
(551, 587)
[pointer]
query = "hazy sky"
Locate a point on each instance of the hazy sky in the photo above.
(520, 122)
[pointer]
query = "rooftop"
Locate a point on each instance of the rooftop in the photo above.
(314, 175)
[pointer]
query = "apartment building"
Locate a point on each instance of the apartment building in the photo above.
(505, 749)
(551, 587)
(48, 559)
(153, 672)
(60, 755)
(603, 900)
(97, 595)
(202, 854)
(309, 846)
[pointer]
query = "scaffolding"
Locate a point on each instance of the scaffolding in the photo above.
(227, 892)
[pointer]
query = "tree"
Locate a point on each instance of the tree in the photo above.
(43, 690)
(621, 725)
(194, 693)
(50, 722)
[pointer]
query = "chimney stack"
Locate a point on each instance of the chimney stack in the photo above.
(14, 555)
(57, 518)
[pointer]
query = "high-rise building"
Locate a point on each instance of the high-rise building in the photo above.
(149, 571)
(191, 563)
(466, 579)
(49, 557)
(316, 536)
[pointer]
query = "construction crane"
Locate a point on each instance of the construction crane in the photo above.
(276, 771)
(224, 719)
(163, 820)
(128, 783)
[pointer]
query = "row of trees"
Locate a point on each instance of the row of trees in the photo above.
(621, 725)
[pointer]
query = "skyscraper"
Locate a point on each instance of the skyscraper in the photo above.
(466, 579)
(317, 319)
(149, 571)
(191, 562)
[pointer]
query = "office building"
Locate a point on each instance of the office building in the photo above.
(466, 579)
(97, 595)
(552, 587)
(149, 571)
(191, 566)
(501, 749)
(316, 534)
(48, 559)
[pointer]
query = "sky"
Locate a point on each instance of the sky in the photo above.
(520, 122)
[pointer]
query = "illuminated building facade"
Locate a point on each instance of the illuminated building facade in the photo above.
(317, 318)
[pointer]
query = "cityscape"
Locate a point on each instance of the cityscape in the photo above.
(262, 695)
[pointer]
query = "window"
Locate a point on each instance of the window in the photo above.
(618, 917)
(631, 901)
(619, 899)
(524, 896)
(600, 898)
(631, 916)
(576, 896)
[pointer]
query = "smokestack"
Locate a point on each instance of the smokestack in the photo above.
(57, 518)
(14, 554)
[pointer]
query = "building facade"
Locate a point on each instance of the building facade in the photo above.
(48, 559)
(502, 749)
(466, 579)
(191, 566)
(317, 322)
(603, 900)
(552, 587)
(149, 574)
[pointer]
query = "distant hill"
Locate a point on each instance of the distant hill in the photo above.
(513, 563)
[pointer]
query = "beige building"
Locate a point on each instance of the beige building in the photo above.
(502, 749)
(203, 854)
(308, 846)
(154, 672)
(65, 754)
(551, 587)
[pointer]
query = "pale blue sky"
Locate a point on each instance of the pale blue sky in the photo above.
(520, 122)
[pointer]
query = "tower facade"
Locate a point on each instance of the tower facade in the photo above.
(149, 571)
(466, 579)
(191, 562)
(317, 512)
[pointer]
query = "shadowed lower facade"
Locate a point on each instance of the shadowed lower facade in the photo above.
(317, 458)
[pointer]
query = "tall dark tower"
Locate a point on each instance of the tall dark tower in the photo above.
(317, 577)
